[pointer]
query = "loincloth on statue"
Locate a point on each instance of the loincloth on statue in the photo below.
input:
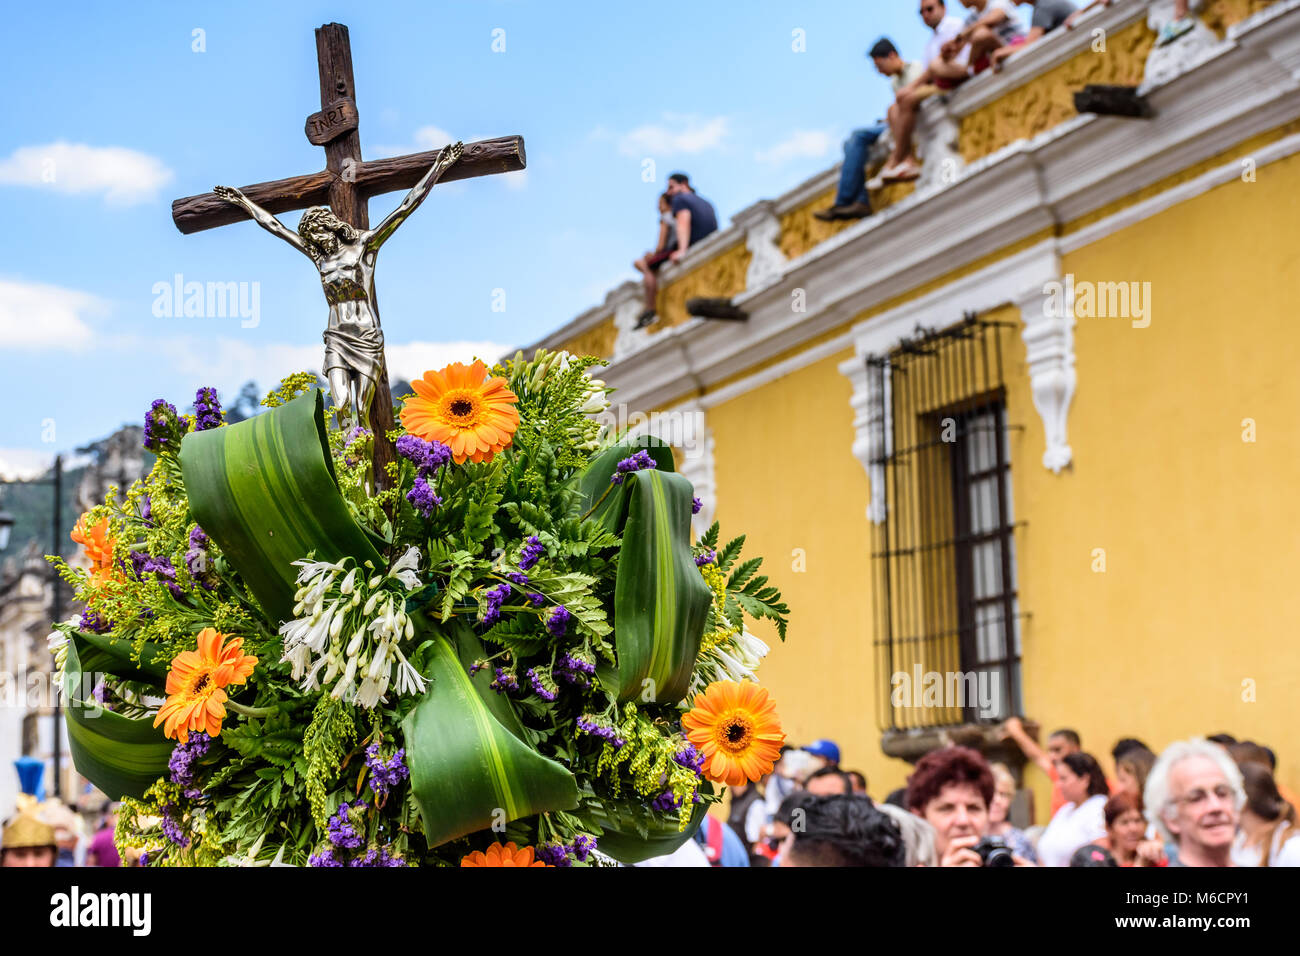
(355, 346)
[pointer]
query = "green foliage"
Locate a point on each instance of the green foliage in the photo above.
(329, 738)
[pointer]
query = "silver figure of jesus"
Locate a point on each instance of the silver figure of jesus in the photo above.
(345, 257)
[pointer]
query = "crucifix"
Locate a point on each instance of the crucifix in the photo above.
(339, 239)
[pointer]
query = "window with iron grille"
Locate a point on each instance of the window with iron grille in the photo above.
(947, 634)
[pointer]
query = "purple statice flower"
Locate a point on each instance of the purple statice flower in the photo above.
(690, 758)
(90, 621)
(341, 831)
(505, 680)
(325, 857)
(582, 847)
(422, 496)
(637, 462)
(495, 598)
(144, 857)
(99, 693)
(425, 455)
(146, 511)
(537, 600)
(696, 505)
(556, 854)
(476, 667)
(379, 857)
(708, 557)
(142, 564)
(542, 683)
(531, 553)
(207, 409)
(558, 622)
(665, 801)
(196, 558)
(518, 577)
(578, 663)
(589, 725)
(182, 762)
(172, 829)
(163, 428)
(355, 436)
(385, 774)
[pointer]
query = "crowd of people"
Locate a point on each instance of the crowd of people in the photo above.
(52, 833)
(1204, 802)
(958, 48)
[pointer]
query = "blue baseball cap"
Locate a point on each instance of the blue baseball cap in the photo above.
(824, 748)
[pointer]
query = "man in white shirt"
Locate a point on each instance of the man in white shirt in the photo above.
(851, 199)
(902, 164)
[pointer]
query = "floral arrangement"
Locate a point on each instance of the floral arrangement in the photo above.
(504, 650)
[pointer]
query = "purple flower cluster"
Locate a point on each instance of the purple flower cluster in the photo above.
(531, 553)
(90, 621)
(537, 600)
(690, 758)
(196, 558)
(558, 622)
(495, 598)
(518, 577)
(385, 774)
(637, 462)
(143, 563)
(171, 827)
(588, 725)
(163, 428)
(182, 763)
(665, 801)
(427, 457)
(341, 831)
(696, 505)
(380, 857)
(708, 557)
(557, 854)
(207, 410)
(505, 680)
(542, 683)
(575, 669)
(146, 511)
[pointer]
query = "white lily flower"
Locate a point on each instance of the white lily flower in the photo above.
(349, 582)
(409, 680)
(368, 694)
(298, 656)
(406, 568)
(354, 645)
(345, 682)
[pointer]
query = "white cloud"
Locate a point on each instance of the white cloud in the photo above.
(516, 179)
(24, 464)
(123, 176)
(678, 133)
(36, 316)
(227, 363)
(802, 144)
(425, 138)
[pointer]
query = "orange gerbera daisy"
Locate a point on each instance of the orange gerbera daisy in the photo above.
(195, 694)
(456, 406)
(498, 855)
(736, 728)
(97, 545)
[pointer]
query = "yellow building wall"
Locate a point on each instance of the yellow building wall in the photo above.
(786, 479)
(1199, 528)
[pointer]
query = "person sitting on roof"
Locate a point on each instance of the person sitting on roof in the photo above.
(1048, 15)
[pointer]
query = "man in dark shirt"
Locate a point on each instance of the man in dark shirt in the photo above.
(693, 219)
(693, 214)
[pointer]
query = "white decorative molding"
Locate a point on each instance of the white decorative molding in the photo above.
(936, 136)
(1186, 53)
(762, 238)
(628, 305)
(870, 411)
(1048, 315)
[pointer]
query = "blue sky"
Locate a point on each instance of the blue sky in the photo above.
(112, 114)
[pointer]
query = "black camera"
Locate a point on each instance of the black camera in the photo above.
(994, 851)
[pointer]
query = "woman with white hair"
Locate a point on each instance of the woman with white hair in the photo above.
(1194, 797)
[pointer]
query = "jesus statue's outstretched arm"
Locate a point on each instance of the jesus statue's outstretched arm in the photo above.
(379, 235)
(263, 218)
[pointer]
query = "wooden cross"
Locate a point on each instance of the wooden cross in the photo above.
(346, 183)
